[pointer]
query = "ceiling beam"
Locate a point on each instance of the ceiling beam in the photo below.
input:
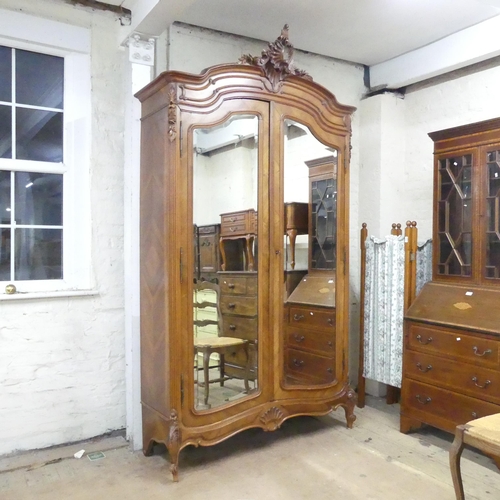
(469, 46)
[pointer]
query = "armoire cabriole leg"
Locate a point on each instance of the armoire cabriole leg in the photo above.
(349, 405)
(174, 445)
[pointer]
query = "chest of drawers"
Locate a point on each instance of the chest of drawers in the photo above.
(451, 374)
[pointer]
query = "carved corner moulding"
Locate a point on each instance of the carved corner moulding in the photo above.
(276, 61)
(172, 113)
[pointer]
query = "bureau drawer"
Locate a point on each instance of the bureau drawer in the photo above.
(243, 306)
(306, 317)
(454, 343)
(240, 327)
(440, 407)
(309, 367)
(238, 285)
(472, 380)
(323, 343)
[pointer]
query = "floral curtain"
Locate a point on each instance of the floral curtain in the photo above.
(424, 264)
(383, 309)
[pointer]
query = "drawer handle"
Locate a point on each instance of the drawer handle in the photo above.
(330, 321)
(329, 370)
(419, 338)
(297, 317)
(232, 219)
(232, 229)
(298, 362)
(330, 343)
(475, 349)
(486, 384)
(424, 370)
(231, 305)
(423, 401)
(232, 327)
(474, 414)
(230, 285)
(299, 339)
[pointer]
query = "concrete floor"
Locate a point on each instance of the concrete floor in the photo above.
(308, 458)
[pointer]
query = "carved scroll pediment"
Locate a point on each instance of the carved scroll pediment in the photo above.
(276, 61)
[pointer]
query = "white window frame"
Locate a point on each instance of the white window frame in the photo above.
(22, 31)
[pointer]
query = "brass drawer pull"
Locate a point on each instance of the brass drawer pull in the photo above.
(299, 339)
(475, 349)
(329, 370)
(231, 305)
(424, 370)
(423, 401)
(232, 219)
(474, 414)
(297, 362)
(419, 338)
(486, 384)
(298, 317)
(232, 327)
(330, 343)
(330, 321)
(230, 285)
(232, 229)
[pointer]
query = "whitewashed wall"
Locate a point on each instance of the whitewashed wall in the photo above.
(62, 369)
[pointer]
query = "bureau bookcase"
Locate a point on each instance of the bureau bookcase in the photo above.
(451, 361)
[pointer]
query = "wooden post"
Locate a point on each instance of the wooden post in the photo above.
(361, 378)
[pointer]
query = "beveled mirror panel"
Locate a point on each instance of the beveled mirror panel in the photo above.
(310, 208)
(225, 311)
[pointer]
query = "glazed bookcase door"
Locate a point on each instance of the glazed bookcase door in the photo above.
(490, 167)
(226, 157)
(455, 216)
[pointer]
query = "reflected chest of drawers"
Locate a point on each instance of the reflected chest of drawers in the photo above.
(238, 305)
(309, 344)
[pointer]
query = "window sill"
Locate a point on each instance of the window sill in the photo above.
(47, 295)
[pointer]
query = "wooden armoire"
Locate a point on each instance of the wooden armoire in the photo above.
(230, 148)
(451, 360)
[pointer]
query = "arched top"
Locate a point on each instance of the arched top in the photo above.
(270, 77)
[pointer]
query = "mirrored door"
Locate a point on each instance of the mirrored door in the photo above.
(225, 159)
(310, 249)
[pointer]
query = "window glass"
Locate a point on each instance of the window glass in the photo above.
(39, 79)
(38, 199)
(38, 254)
(5, 131)
(39, 135)
(5, 74)
(31, 199)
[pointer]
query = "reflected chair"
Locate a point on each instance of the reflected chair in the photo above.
(206, 297)
(483, 434)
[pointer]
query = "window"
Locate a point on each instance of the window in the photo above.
(45, 111)
(31, 129)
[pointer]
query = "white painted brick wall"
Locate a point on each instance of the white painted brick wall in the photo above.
(62, 369)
